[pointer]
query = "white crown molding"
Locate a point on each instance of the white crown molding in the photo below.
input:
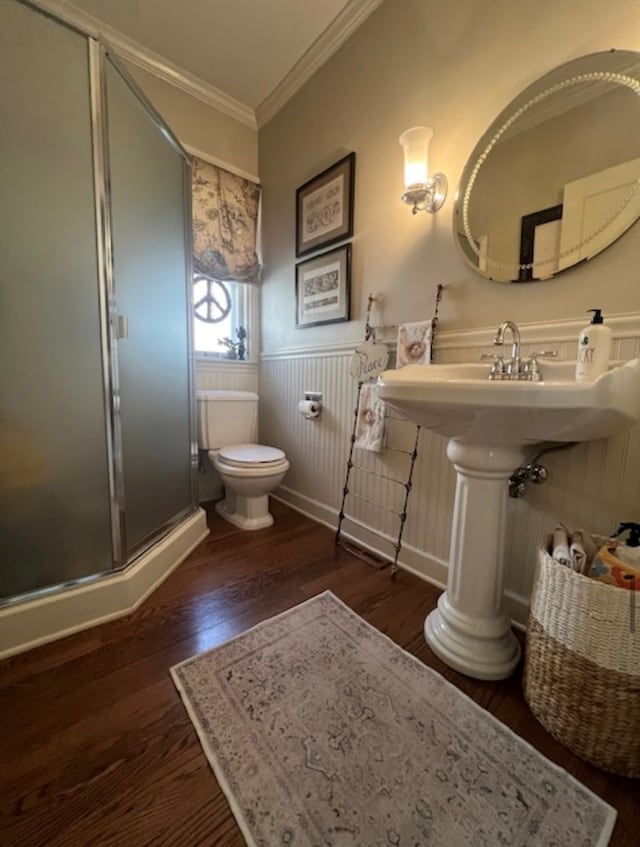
(161, 68)
(133, 52)
(338, 31)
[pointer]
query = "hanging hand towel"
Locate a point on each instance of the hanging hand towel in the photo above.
(414, 344)
(370, 426)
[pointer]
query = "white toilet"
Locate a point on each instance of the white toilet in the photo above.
(227, 430)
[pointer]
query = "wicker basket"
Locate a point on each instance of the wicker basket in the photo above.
(582, 665)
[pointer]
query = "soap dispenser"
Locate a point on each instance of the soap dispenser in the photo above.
(594, 348)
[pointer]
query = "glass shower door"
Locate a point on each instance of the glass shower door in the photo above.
(149, 179)
(55, 506)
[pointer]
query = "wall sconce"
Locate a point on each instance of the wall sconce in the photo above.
(425, 193)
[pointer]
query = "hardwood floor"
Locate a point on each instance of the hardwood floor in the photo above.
(96, 747)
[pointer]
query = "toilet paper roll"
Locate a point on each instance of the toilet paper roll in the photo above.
(309, 408)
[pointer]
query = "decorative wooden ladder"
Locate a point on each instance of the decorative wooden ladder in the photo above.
(405, 482)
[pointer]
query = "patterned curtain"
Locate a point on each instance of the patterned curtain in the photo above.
(225, 224)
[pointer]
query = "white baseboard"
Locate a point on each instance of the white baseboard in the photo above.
(306, 506)
(38, 621)
(429, 568)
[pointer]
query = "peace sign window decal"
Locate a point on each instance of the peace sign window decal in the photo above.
(212, 302)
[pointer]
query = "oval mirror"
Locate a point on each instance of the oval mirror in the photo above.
(556, 177)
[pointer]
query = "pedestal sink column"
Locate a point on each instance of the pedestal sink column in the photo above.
(469, 630)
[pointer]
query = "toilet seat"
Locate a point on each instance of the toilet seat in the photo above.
(249, 473)
(250, 455)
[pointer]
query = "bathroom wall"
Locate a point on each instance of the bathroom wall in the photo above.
(454, 68)
(199, 125)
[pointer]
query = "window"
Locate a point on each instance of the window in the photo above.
(220, 309)
(226, 262)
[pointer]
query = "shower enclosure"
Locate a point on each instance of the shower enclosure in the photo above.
(97, 443)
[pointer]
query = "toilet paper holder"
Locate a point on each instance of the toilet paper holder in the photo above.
(311, 406)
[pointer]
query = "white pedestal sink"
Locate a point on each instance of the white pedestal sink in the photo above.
(488, 424)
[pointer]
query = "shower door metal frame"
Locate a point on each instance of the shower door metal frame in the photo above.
(108, 314)
(129, 555)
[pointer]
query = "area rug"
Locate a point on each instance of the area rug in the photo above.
(322, 731)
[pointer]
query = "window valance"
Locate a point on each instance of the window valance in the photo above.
(225, 224)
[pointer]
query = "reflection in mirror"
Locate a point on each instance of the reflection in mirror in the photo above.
(556, 177)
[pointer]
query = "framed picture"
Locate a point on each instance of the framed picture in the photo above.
(324, 207)
(323, 288)
(540, 242)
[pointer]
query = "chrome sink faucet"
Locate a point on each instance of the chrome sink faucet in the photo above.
(512, 366)
(515, 368)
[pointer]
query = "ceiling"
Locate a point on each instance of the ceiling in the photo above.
(244, 48)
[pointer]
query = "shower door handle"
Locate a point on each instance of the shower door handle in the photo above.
(122, 327)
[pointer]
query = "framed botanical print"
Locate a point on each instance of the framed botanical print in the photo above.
(324, 207)
(323, 288)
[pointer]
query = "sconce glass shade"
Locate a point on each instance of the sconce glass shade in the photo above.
(423, 192)
(415, 144)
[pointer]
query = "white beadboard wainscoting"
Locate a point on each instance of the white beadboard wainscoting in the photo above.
(592, 485)
(226, 374)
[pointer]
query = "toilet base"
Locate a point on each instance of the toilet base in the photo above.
(246, 513)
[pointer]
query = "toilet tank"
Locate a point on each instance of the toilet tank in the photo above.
(226, 418)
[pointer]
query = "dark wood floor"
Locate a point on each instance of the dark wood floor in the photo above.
(96, 747)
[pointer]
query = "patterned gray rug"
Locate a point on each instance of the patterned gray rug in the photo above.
(322, 731)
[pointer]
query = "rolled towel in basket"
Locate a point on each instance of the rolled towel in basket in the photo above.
(560, 546)
(582, 550)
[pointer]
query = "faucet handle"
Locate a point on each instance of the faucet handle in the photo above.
(497, 370)
(531, 367)
(544, 354)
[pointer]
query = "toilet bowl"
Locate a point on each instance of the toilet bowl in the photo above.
(249, 472)
(227, 430)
